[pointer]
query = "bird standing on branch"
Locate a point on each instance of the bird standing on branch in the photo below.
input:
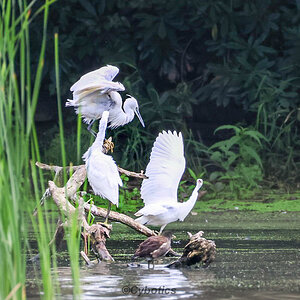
(154, 247)
(159, 190)
(102, 171)
(95, 92)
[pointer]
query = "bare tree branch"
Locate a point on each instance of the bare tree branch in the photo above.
(74, 168)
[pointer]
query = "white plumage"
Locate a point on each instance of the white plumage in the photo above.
(95, 92)
(101, 79)
(102, 171)
(159, 191)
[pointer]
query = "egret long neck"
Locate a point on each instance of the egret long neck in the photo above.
(102, 128)
(121, 117)
(187, 206)
(129, 113)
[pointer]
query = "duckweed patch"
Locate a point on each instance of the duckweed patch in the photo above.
(268, 202)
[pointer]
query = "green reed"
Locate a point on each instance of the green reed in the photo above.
(73, 234)
(19, 149)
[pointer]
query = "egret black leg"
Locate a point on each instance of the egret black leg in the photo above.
(108, 211)
(89, 128)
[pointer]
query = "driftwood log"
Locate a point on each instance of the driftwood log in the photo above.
(67, 196)
(63, 196)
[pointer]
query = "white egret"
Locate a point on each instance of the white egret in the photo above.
(159, 191)
(95, 92)
(102, 171)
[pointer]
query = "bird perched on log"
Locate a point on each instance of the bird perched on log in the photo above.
(159, 190)
(95, 92)
(102, 171)
(154, 247)
(197, 250)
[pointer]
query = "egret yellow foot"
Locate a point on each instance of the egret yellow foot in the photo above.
(108, 145)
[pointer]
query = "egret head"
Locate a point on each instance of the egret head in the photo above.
(132, 104)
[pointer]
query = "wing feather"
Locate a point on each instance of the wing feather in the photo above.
(107, 73)
(98, 80)
(165, 169)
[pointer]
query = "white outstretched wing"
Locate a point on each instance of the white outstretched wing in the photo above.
(107, 73)
(165, 169)
(98, 80)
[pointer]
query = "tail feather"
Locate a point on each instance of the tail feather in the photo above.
(142, 220)
(70, 103)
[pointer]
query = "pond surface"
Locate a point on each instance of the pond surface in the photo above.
(258, 257)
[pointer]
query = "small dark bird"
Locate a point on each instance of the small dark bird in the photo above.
(154, 247)
(197, 250)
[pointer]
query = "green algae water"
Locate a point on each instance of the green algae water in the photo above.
(258, 257)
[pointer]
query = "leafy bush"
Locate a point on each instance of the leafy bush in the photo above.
(238, 159)
(176, 57)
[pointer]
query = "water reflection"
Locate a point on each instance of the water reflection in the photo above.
(113, 280)
(250, 264)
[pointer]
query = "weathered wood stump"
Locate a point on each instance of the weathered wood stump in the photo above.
(197, 250)
(98, 235)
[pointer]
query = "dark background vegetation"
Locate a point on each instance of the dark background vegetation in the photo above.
(193, 66)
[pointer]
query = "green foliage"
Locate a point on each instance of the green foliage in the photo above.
(239, 159)
(177, 58)
(129, 198)
(280, 125)
(52, 146)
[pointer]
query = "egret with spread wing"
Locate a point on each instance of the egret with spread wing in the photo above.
(159, 190)
(102, 171)
(95, 92)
